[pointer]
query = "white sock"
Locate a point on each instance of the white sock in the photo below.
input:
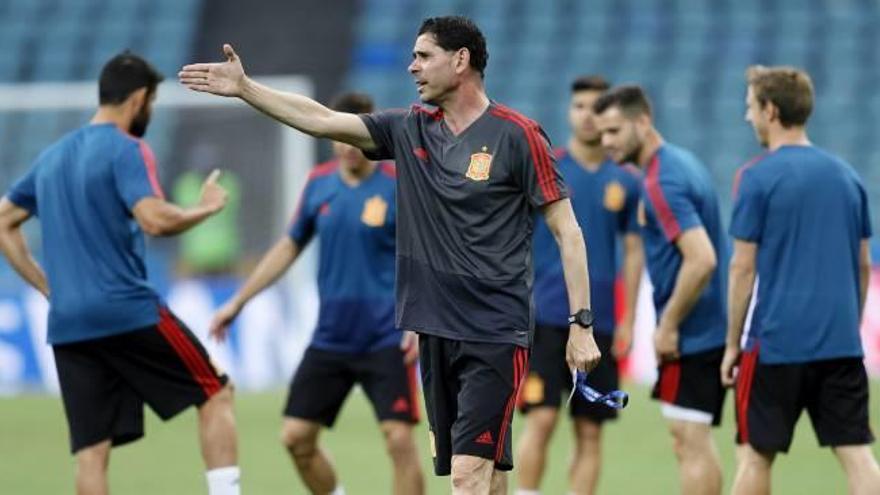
(520, 491)
(338, 490)
(223, 481)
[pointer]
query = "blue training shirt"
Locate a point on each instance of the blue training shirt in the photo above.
(605, 203)
(83, 189)
(356, 226)
(678, 195)
(808, 212)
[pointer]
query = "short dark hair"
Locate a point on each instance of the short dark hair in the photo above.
(788, 88)
(631, 100)
(124, 74)
(352, 102)
(590, 83)
(455, 32)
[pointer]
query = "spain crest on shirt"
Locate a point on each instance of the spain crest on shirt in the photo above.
(375, 210)
(615, 196)
(478, 168)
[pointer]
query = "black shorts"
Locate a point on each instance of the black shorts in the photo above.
(693, 382)
(470, 393)
(324, 379)
(549, 379)
(105, 382)
(770, 398)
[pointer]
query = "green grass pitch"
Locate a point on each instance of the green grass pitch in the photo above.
(35, 460)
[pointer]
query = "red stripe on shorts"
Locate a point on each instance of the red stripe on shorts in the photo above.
(670, 377)
(520, 368)
(743, 391)
(413, 391)
(200, 369)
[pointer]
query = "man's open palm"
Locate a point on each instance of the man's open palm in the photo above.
(219, 78)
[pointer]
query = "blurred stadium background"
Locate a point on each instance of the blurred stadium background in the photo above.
(690, 55)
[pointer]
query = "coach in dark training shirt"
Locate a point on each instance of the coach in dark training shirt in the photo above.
(801, 228)
(471, 173)
(116, 344)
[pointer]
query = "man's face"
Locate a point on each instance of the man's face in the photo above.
(347, 154)
(142, 120)
(433, 69)
(756, 116)
(621, 136)
(581, 117)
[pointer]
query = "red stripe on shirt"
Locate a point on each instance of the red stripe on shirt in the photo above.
(749, 164)
(526, 125)
(201, 370)
(540, 157)
(655, 192)
(434, 114)
(150, 164)
(388, 169)
(323, 169)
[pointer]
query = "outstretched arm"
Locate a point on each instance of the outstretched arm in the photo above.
(297, 111)
(581, 351)
(273, 264)
(15, 248)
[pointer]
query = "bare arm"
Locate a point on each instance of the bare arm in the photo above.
(297, 111)
(14, 246)
(582, 352)
(274, 263)
(698, 263)
(158, 217)
(739, 291)
(864, 274)
(633, 265)
(739, 295)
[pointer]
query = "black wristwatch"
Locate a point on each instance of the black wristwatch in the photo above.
(584, 318)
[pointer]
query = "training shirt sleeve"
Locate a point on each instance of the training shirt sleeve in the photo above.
(302, 225)
(749, 208)
(24, 192)
(383, 126)
(135, 173)
(628, 218)
(534, 167)
(670, 197)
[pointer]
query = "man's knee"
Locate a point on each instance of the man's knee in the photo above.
(471, 473)
(398, 439)
(94, 458)
(299, 437)
(541, 421)
(691, 440)
(223, 402)
(750, 458)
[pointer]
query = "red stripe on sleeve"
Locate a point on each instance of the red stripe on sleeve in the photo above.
(539, 155)
(655, 192)
(150, 164)
(742, 169)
